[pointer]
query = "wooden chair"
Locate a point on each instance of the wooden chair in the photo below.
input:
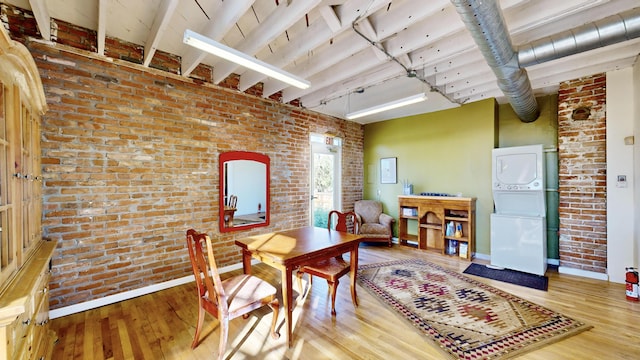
(230, 210)
(228, 299)
(333, 268)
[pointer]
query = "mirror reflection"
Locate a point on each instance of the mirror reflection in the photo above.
(244, 191)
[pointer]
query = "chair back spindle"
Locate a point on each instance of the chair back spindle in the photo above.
(346, 222)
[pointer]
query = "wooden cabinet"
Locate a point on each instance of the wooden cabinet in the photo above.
(24, 256)
(429, 217)
(24, 309)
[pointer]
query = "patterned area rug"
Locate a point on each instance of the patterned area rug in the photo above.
(464, 317)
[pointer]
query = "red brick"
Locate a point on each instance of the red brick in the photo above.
(582, 175)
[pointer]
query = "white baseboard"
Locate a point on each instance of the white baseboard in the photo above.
(583, 273)
(112, 299)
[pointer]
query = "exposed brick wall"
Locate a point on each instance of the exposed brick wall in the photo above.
(77, 37)
(130, 161)
(582, 175)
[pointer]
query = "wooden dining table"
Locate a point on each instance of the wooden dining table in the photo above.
(289, 249)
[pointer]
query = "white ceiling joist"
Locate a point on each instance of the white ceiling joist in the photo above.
(363, 60)
(312, 37)
(330, 18)
(344, 46)
(41, 13)
(442, 68)
(416, 37)
(275, 24)
(462, 70)
(160, 23)
(352, 67)
(367, 30)
(443, 49)
(227, 15)
(321, 45)
(405, 14)
(366, 79)
(298, 46)
(102, 25)
(482, 80)
(393, 24)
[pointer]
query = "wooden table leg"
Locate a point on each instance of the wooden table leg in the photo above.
(353, 272)
(287, 298)
(246, 262)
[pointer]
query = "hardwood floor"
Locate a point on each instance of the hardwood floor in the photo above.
(161, 325)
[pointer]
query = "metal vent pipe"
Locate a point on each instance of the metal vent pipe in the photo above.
(484, 20)
(610, 30)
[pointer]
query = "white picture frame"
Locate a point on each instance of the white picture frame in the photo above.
(388, 171)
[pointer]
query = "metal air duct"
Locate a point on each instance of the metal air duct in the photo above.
(607, 31)
(483, 19)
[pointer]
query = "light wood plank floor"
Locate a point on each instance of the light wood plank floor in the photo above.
(161, 325)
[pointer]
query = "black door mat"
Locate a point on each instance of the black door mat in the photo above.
(510, 276)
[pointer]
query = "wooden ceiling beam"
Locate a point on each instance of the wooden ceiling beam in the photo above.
(275, 24)
(343, 46)
(375, 75)
(363, 60)
(102, 25)
(395, 26)
(160, 23)
(43, 19)
(314, 36)
(227, 15)
(330, 18)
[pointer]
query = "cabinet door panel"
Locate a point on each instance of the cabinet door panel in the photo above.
(8, 246)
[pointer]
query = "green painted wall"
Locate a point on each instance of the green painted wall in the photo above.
(447, 151)
(450, 151)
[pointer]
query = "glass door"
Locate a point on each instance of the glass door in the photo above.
(325, 178)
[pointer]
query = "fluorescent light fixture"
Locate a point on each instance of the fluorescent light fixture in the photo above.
(387, 106)
(215, 48)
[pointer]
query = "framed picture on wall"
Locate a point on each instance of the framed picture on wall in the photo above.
(388, 171)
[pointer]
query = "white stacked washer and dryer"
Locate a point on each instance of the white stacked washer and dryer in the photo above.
(518, 224)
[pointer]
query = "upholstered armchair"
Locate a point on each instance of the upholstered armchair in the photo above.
(373, 223)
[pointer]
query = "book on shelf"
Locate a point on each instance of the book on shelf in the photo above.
(452, 247)
(409, 212)
(458, 232)
(449, 229)
(463, 248)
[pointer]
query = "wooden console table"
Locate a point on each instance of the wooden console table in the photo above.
(432, 214)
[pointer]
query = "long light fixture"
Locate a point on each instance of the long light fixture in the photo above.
(215, 48)
(387, 106)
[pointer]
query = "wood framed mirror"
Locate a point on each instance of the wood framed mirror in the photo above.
(244, 190)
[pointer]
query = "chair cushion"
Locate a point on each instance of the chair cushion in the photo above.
(331, 267)
(374, 229)
(245, 289)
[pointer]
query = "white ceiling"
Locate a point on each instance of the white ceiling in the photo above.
(316, 40)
